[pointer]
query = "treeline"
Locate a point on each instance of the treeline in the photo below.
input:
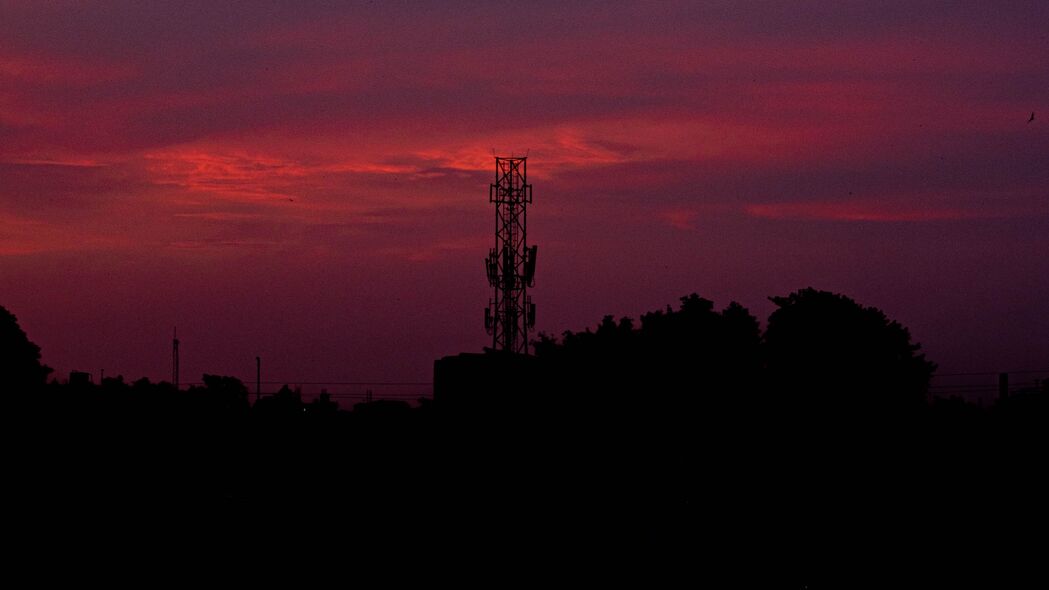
(216, 398)
(822, 358)
(820, 351)
(810, 446)
(689, 445)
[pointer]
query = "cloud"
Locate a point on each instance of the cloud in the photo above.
(853, 211)
(684, 220)
(355, 141)
(20, 236)
(47, 70)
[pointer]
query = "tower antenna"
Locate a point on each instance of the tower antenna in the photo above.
(511, 264)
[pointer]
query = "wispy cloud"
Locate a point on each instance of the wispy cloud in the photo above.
(859, 211)
(353, 141)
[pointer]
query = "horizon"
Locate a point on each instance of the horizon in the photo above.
(308, 184)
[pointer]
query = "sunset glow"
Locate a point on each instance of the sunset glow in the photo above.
(309, 183)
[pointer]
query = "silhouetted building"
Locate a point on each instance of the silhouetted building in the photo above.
(79, 379)
(471, 381)
(323, 405)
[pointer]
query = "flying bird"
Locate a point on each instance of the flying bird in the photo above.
(1032, 117)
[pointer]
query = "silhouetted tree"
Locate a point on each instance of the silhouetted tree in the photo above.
(830, 355)
(697, 349)
(323, 406)
(20, 367)
(220, 397)
(691, 356)
(681, 375)
(382, 409)
(286, 403)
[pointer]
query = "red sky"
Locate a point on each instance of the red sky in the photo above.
(308, 183)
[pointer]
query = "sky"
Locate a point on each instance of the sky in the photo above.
(307, 181)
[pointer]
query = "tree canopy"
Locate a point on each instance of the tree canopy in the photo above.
(20, 366)
(819, 350)
(827, 349)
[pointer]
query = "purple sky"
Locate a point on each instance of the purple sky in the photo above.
(150, 152)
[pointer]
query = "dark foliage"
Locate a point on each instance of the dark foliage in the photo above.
(687, 357)
(20, 367)
(683, 448)
(828, 354)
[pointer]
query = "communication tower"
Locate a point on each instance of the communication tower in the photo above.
(511, 264)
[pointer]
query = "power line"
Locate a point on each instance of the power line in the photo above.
(371, 383)
(403, 383)
(1025, 372)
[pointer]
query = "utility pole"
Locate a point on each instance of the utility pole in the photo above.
(258, 379)
(174, 359)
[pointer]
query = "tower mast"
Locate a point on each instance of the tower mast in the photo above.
(511, 263)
